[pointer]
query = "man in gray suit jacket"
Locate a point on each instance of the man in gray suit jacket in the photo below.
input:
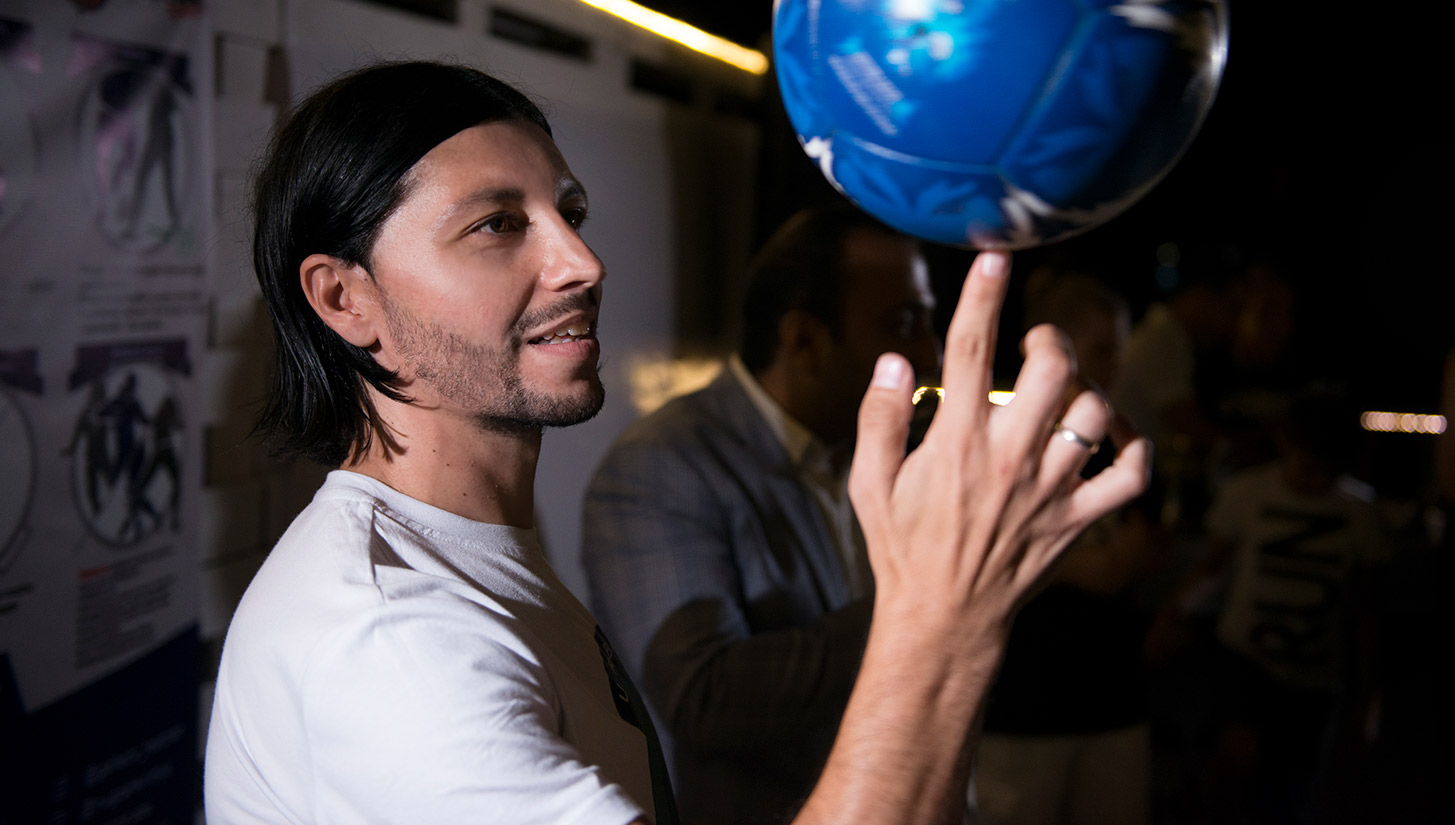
(722, 552)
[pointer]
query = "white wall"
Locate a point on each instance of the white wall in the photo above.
(671, 196)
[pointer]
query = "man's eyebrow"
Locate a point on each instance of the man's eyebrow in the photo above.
(490, 196)
(570, 188)
(487, 197)
(500, 195)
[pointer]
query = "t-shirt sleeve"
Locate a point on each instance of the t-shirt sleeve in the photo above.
(416, 715)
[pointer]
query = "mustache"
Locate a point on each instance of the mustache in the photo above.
(583, 301)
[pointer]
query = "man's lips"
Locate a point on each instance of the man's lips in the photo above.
(566, 333)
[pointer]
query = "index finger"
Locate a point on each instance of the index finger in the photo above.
(970, 342)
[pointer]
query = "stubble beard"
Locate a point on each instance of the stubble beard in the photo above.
(487, 380)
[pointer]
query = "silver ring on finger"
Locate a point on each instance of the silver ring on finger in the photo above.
(1068, 434)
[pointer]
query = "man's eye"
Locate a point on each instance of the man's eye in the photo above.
(500, 224)
(575, 217)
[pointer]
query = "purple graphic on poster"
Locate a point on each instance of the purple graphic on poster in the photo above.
(137, 130)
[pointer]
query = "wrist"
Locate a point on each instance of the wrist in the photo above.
(906, 738)
(940, 648)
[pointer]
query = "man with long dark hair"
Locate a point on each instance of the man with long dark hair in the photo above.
(405, 654)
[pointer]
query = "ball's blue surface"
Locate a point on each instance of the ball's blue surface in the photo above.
(997, 123)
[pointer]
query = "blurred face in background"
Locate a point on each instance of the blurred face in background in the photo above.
(888, 307)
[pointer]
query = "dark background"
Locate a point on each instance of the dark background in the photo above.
(1321, 153)
(1325, 152)
(1321, 150)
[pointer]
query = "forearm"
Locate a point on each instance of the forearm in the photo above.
(903, 750)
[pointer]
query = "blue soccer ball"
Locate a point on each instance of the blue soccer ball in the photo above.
(997, 124)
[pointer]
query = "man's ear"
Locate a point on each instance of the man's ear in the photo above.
(343, 295)
(804, 341)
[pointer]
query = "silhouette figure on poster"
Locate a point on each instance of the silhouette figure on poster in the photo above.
(89, 436)
(127, 461)
(137, 153)
(166, 427)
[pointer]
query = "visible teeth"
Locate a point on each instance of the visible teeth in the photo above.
(567, 334)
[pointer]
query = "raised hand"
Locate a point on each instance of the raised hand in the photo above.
(959, 532)
(968, 523)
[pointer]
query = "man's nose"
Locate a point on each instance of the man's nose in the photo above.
(569, 262)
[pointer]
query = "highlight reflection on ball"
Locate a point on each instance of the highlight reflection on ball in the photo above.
(997, 123)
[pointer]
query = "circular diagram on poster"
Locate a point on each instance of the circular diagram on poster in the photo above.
(126, 455)
(17, 151)
(135, 142)
(17, 480)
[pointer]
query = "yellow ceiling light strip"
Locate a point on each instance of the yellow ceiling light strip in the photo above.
(749, 60)
(997, 397)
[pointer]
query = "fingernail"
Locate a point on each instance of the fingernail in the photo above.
(888, 372)
(993, 264)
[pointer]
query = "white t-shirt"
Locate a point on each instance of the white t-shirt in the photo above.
(396, 663)
(1296, 555)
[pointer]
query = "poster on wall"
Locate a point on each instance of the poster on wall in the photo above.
(105, 167)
